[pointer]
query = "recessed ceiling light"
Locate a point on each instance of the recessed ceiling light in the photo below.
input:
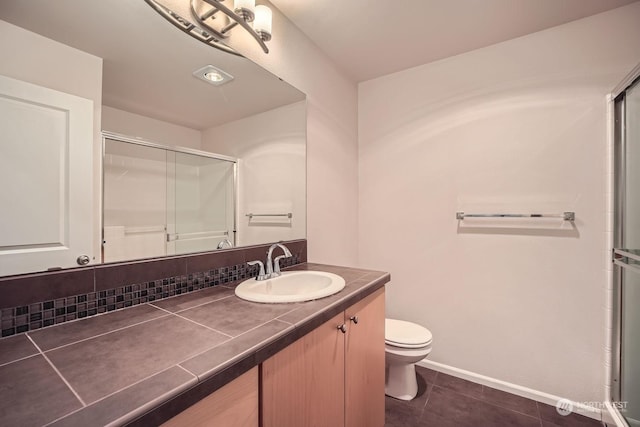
(213, 75)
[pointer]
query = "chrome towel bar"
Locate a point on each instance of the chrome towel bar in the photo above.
(197, 235)
(567, 216)
(288, 215)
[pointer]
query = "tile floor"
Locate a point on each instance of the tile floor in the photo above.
(446, 401)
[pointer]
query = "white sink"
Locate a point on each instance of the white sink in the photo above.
(291, 286)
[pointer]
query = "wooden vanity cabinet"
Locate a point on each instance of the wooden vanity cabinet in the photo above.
(364, 362)
(235, 404)
(330, 377)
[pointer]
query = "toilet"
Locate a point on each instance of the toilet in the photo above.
(405, 344)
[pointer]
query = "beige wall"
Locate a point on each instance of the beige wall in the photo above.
(515, 127)
(332, 150)
(271, 150)
(35, 59)
(158, 131)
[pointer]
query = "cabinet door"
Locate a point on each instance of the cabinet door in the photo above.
(235, 404)
(303, 385)
(46, 202)
(364, 370)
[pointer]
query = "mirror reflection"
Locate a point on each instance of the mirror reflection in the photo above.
(234, 171)
(158, 201)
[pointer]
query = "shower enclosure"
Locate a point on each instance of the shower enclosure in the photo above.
(626, 360)
(161, 200)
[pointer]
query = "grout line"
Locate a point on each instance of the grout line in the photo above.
(160, 308)
(260, 325)
(201, 304)
(57, 372)
(135, 383)
(499, 405)
(188, 371)
(429, 390)
(104, 333)
(115, 392)
(424, 407)
(539, 413)
(64, 416)
(225, 342)
(230, 336)
(193, 321)
(492, 403)
(18, 360)
(199, 354)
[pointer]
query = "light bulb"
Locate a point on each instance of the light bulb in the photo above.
(214, 76)
(262, 22)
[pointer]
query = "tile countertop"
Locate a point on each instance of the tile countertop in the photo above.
(144, 364)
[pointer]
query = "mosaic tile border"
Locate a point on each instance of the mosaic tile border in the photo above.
(30, 317)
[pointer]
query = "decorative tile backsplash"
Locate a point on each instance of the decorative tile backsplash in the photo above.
(37, 315)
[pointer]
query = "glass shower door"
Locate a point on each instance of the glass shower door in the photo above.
(627, 252)
(161, 200)
(201, 206)
(134, 201)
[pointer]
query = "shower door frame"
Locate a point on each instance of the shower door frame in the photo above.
(176, 149)
(618, 116)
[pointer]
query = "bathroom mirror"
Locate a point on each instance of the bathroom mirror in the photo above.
(153, 92)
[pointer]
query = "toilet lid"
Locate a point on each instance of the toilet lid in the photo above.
(399, 333)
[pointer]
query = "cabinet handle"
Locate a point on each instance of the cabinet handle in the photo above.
(354, 319)
(342, 328)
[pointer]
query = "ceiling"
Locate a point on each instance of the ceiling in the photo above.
(151, 76)
(148, 63)
(371, 38)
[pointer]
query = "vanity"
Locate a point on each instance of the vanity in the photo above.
(208, 355)
(115, 311)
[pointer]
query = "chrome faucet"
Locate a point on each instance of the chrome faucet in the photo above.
(273, 268)
(224, 243)
(261, 275)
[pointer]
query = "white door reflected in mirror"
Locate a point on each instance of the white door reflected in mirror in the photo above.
(47, 178)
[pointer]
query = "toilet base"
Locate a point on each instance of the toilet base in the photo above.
(400, 381)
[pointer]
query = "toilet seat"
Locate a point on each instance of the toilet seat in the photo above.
(402, 334)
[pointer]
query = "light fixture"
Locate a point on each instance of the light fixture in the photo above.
(208, 25)
(213, 75)
(244, 9)
(262, 22)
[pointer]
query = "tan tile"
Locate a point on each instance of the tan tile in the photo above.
(71, 332)
(31, 390)
(14, 348)
(132, 401)
(106, 364)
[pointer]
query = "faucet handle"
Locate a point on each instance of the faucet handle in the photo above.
(261, 275)
(276, 265)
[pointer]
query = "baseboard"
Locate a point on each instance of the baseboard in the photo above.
(538, 396)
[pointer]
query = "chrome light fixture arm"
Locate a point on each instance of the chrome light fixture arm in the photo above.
(189, 28)
(241, 20)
